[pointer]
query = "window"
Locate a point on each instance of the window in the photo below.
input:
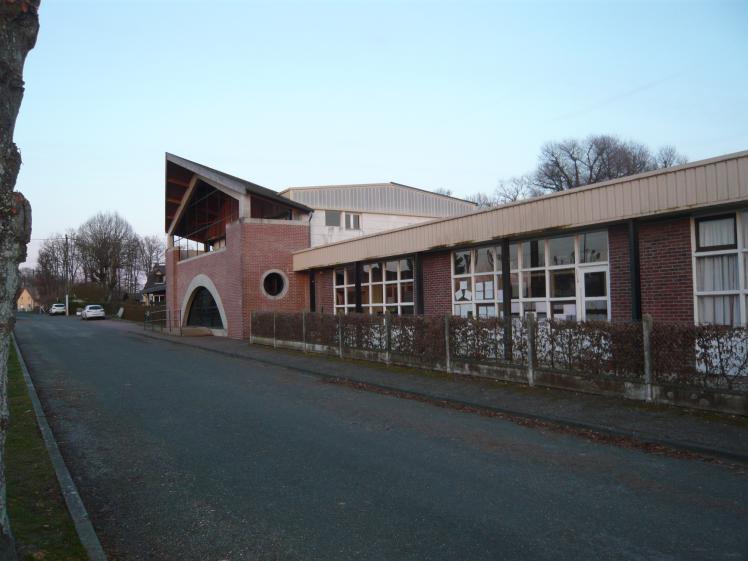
(274, 284)
(345, 289)
(332, 218)
(720, 265)
(352, 221)
(386, 286)
(546, 277)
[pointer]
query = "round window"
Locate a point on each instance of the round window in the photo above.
(274, 284)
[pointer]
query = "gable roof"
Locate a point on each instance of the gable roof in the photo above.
(225, 180)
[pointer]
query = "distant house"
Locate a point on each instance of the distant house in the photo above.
(28, 300)
(154, 291)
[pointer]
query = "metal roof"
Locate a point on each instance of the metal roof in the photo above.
(706, 183)
(391, 198)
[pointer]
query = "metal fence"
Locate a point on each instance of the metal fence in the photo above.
(162, 319)
(644, 353)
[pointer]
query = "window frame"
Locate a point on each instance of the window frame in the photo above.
(367, 286)
(727, 247)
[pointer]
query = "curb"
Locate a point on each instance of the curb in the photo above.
(557, 421)
(77, 510)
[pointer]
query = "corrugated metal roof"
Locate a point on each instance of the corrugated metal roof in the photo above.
(716, 181)
(391, 198)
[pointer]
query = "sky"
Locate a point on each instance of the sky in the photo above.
(449, 94)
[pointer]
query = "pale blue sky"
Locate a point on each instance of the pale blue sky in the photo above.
(431, 94)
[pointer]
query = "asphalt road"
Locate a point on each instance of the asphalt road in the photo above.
(182, 454)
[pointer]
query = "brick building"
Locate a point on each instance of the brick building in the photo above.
(671, 243)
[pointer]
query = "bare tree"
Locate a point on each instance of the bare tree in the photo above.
(109, 250)
(572, 163)
(152, 250)
(515, 189)
(443, 191)
(19, 26)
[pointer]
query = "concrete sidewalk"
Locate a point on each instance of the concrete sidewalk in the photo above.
(720, 436)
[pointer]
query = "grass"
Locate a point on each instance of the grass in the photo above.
(39, 518)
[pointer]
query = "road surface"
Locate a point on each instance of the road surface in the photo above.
(182, 454)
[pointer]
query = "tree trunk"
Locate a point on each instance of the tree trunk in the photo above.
(19, 25)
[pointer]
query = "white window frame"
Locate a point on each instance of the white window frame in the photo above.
(347, 283)
(370, 307)
(348, 221)
(522, 302)
(741, 221)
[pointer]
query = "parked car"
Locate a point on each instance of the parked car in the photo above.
(93, 311)
(56, 310)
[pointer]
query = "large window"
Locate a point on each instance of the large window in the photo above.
(720, 263)
(385, 286)
(562, 277)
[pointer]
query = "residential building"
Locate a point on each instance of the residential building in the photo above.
(28, 299)
(154, 290)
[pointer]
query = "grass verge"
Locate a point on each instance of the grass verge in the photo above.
(39, 518)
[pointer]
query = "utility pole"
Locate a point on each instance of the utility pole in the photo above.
(67, 276)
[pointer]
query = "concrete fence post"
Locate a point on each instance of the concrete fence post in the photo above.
(340, 334)
(530, 324)
(252, 327)
(388, 336)
(303, 330)
(275, 344)
(647, 348)
(446, 343)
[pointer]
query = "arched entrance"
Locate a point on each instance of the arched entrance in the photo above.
(202, 306)
(204, 310)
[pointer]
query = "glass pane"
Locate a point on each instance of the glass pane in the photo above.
(484, 260)
(593, 246)
(376, 272)
(484, 287)
(533, 284)
(464, 310)
(406, 310)
(340, 296)
(595, 284)
(462, 262)
(719, 272)
(561, 251)
(562, 283)
(515, 309)
(406, 268)
(486, 310)
(533, 254)
(540, 309)
(564, 310)
(339, 277)
(513, 260)
(390, 270)
(717, 232)
(514, 281)
(350, 274)
(365, 273)
(365, 294)
(720, 310)
(390, 293)
(379, 310)
(391, 309)
(332, 218)
(596, 310)
(351, 295)
(406, 292)
(377, 294)
(462, 290)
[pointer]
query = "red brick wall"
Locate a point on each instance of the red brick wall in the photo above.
(665, 270)
(270, 246)
(324, 291)
(437, 280)
(223, 268)
(620, 279)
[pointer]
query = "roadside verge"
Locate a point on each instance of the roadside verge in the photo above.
(77, 510)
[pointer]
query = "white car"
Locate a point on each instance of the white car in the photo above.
(93, 311)
(56, 309)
